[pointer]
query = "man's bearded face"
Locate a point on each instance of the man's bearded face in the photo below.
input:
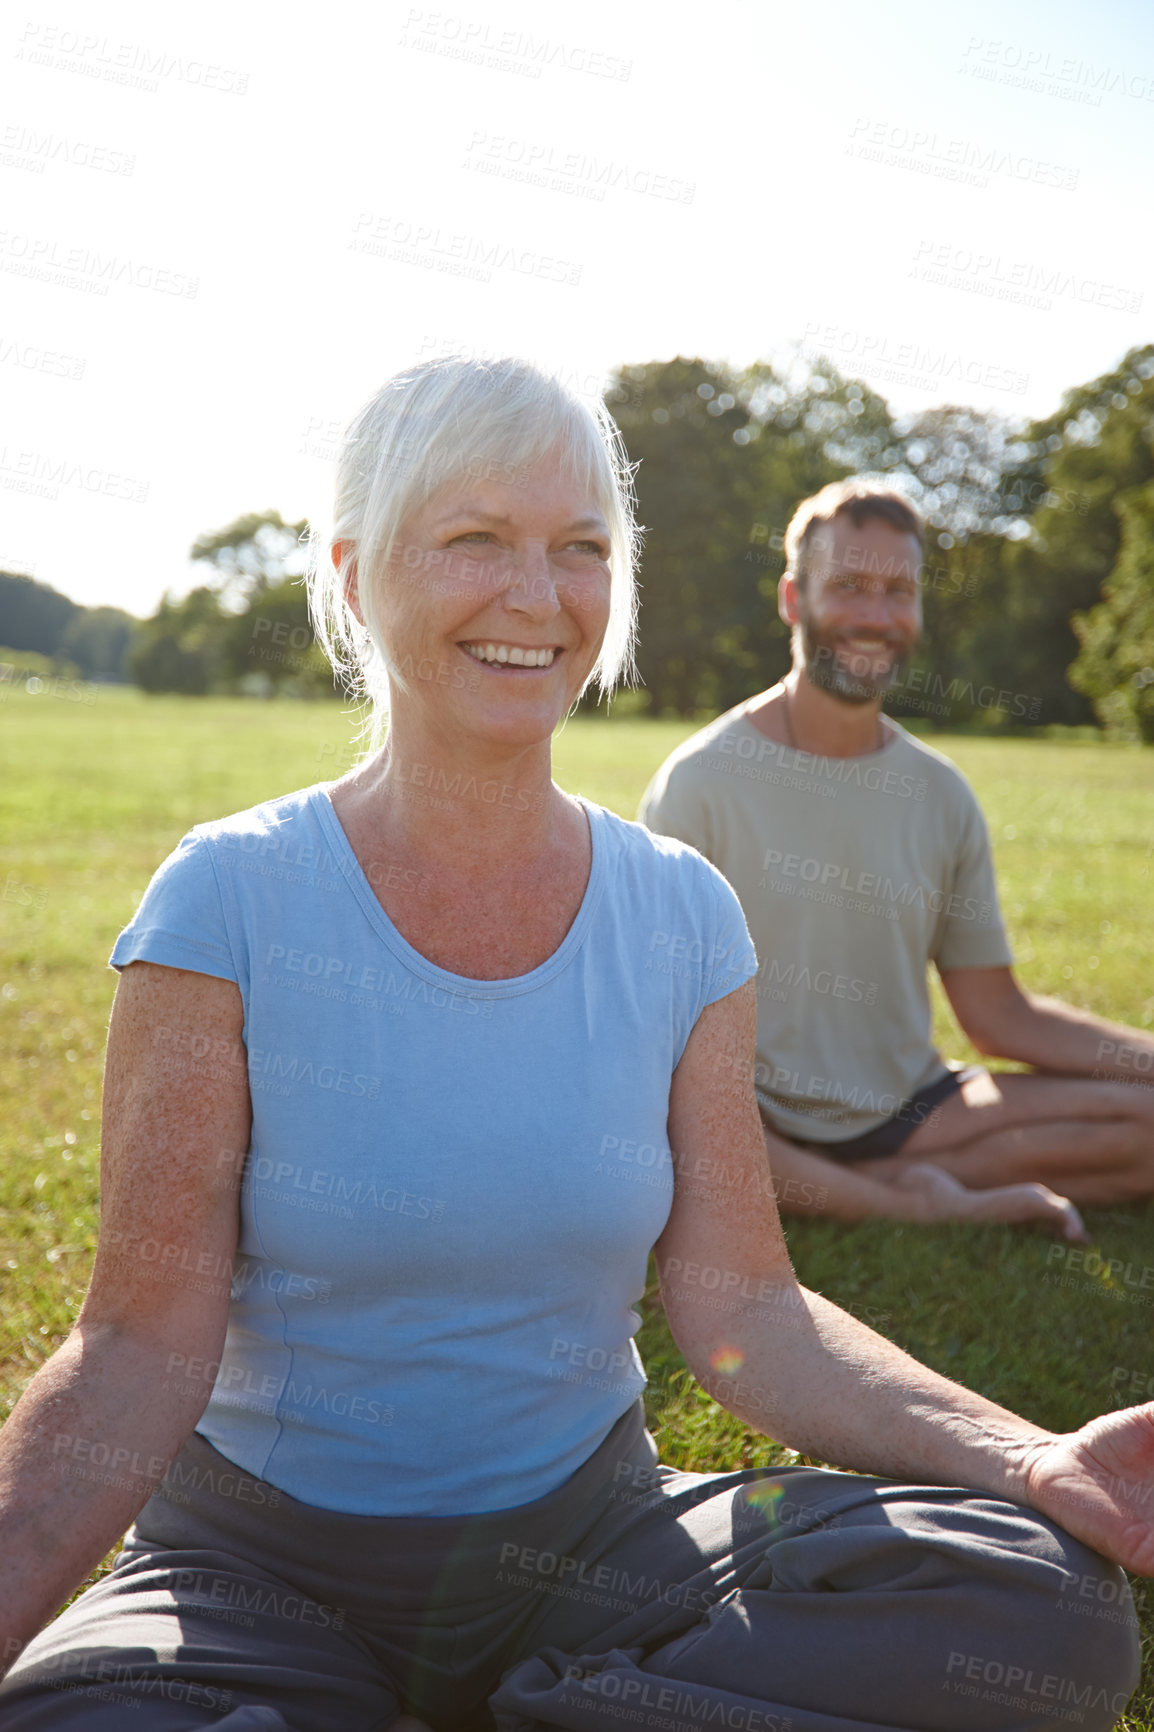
(859, 614)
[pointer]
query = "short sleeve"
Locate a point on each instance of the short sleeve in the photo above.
(732, 959)
(181, 920)
(969, 932)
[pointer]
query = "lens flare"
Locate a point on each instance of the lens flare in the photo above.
(727, 1360)
(765, 1496)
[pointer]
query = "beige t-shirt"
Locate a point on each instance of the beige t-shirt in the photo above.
(853, 874)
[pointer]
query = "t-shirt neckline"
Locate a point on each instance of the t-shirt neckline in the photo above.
(463, 984)
(823, 757)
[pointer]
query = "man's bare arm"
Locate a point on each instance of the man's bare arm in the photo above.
(1005, 1021)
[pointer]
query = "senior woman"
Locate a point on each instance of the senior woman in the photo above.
(406, 1077)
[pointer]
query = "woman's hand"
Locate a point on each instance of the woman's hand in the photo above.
(1099, 1484)
(941, 1197)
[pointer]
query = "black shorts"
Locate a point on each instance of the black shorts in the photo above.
(887, 1138)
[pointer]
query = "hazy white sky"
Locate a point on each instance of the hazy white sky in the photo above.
(220, 230)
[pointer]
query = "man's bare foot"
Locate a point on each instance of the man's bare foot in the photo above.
(945, 1199)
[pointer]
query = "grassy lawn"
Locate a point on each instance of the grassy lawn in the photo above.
(95, 794)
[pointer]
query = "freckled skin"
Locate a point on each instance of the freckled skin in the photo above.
(172, 1152)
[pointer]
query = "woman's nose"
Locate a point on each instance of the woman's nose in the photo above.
(531, 587)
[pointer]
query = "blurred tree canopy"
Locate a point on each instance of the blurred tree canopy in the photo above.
(91, 641)
(1024, 528)
(247, 627)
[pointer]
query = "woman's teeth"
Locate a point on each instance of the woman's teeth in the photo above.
(518, 658)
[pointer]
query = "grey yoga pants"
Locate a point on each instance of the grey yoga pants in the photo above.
(635, 1597)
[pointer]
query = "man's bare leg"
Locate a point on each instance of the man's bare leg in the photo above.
(807, 1182)
(1090, 1141)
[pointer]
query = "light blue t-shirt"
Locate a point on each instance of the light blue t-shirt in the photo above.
(452, 1185)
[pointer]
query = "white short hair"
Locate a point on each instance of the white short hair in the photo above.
(432, 425)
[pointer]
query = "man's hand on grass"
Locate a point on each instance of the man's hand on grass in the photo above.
(1098, 1483)
(944, 1198)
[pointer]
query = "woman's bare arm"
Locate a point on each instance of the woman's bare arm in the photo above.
(91, 1437)
(791, 1364)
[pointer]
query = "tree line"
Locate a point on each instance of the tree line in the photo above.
(1038, 581)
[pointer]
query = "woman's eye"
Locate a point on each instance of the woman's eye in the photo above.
(474, 535)
(594, 547)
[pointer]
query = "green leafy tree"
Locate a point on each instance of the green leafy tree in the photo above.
(274, 639)
(249, 618)
(1115, 667)
(253, 553)
(99, 641)
(691, 439)
(1098, 449)
(33, 616)
(179, 648)
(723, 459)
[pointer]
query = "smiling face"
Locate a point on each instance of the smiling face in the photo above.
(495, 603)
(859, 613)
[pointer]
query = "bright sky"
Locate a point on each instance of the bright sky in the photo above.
(221, 228)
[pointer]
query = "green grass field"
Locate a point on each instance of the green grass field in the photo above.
(95, 794)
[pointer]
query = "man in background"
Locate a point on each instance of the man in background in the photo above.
(860, 855)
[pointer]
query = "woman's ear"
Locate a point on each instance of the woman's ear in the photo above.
(337, 552)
